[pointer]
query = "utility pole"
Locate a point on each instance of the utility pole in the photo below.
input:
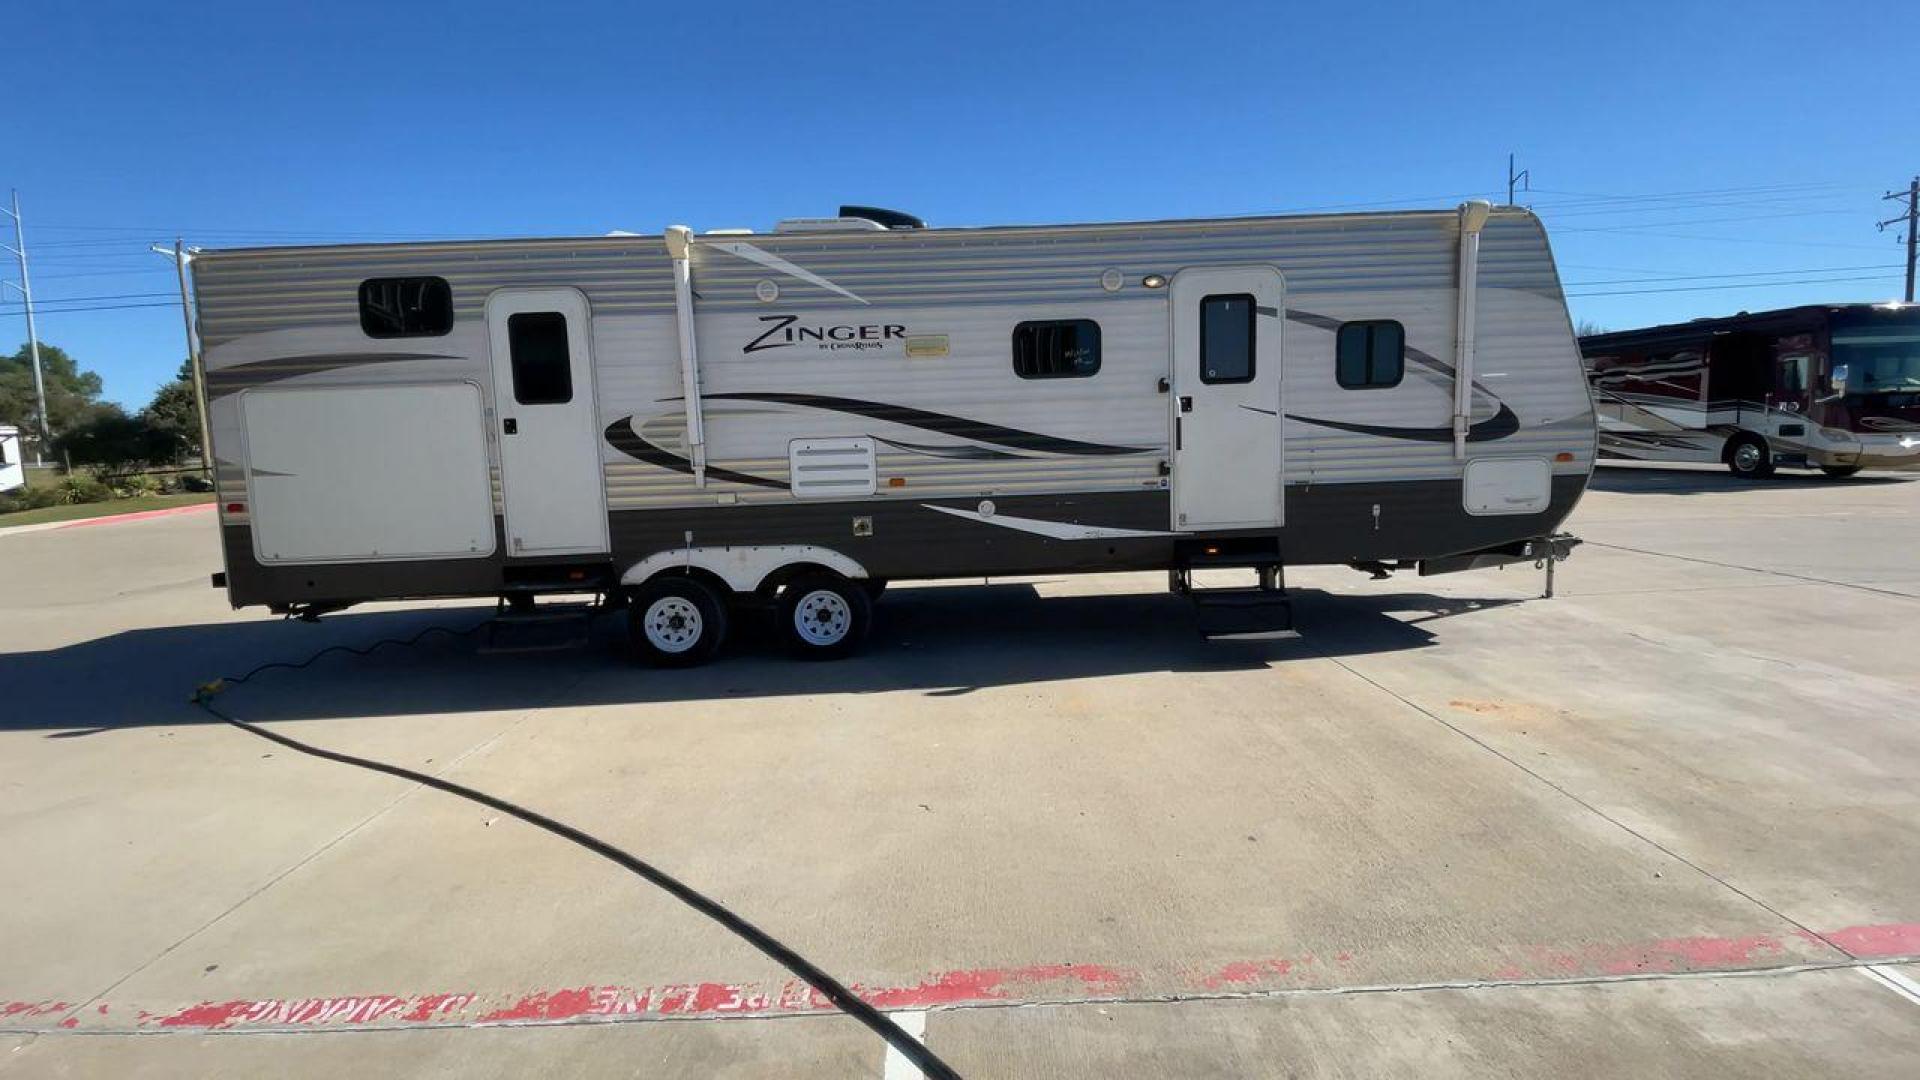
(181, 257)
(1912, 218)
(33, 338)
(1522, 177)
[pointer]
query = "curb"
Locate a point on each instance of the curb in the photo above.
(108, 519)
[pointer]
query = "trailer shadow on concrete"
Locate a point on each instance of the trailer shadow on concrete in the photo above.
(1642, 480)
(943, 641)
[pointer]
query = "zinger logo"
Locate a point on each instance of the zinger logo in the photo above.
(786, 330)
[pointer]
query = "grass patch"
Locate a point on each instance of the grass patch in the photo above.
(102, 509)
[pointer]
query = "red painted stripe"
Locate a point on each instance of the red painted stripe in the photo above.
(138, 515)
(1064, 982)
(1877, 942)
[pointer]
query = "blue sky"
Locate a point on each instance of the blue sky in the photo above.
(1672, 146)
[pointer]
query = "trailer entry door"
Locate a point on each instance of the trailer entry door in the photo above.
(1226, 398)
(545, 422)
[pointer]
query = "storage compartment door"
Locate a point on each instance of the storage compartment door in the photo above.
(368, 473)
(1508, 485)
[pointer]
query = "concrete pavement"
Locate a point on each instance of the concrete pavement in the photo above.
(1452, 831)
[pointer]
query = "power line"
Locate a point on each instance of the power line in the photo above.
(108, 296)
(103, 273)
(1583, 198)
(1749, 274)
(1647, 231)
(1684, 222)
(102, 307)
(1797, 205)
(1736, 285)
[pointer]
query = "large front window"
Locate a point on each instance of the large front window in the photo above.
(1877, 360)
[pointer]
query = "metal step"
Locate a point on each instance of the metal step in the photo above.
(530, 631)
(1249, 614)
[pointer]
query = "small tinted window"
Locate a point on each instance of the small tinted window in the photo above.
(1062, 349)
(1226, 339)
(542, 367)
(1370, 354)
(406, 307)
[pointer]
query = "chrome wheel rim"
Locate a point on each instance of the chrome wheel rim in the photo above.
(1746, 457)
(822, 617)
(672, 624)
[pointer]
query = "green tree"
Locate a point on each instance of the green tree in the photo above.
(110, 442)
(73, 395)
(174, 411)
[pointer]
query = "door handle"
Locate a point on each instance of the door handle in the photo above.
(510, 426)
(1186, 402)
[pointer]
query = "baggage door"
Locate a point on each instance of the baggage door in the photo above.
(545, 423)
(1226, 398)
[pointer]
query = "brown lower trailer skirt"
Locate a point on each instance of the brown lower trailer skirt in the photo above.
(903, 539)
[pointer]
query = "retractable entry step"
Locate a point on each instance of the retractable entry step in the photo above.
(1260, 612)
(522, 625)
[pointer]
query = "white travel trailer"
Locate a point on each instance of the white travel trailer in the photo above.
(13, 470)
(684, 422)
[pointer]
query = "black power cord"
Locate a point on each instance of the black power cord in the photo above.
(842, 998)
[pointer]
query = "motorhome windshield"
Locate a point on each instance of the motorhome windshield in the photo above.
(1877, 360)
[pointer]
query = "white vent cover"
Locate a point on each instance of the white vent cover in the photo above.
(828, 224)
(1508, 485)
(832, 468)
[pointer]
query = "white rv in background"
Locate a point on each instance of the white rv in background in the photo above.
(687, 423)
(13, 469)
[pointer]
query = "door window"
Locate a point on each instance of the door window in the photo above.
(1226, 339)
(1791, 375)
(542, 366)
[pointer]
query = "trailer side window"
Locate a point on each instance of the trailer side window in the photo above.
(1061, 349)
(1370, 354)
(1226, 339)
(542, 366)
(406, 307)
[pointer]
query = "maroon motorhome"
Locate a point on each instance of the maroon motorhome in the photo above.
(1832, 386)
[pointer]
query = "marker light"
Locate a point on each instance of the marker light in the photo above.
(1154, 281)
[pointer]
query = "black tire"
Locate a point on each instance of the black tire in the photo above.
(824, 616)
(1839, 472)
(1749, 457)
(688, 622)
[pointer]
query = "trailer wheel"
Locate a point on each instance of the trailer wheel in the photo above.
(824, 616)
(1839, 472)
(1748, 456)
(676, 621)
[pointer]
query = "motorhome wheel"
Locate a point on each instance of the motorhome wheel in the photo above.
(1748, 456)
(824, 616)
(676, 622)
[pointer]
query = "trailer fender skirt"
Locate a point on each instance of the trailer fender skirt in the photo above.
(743, 568)
(1538, 549)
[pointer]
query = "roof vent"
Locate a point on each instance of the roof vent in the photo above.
(891, 219)
(853, 219)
